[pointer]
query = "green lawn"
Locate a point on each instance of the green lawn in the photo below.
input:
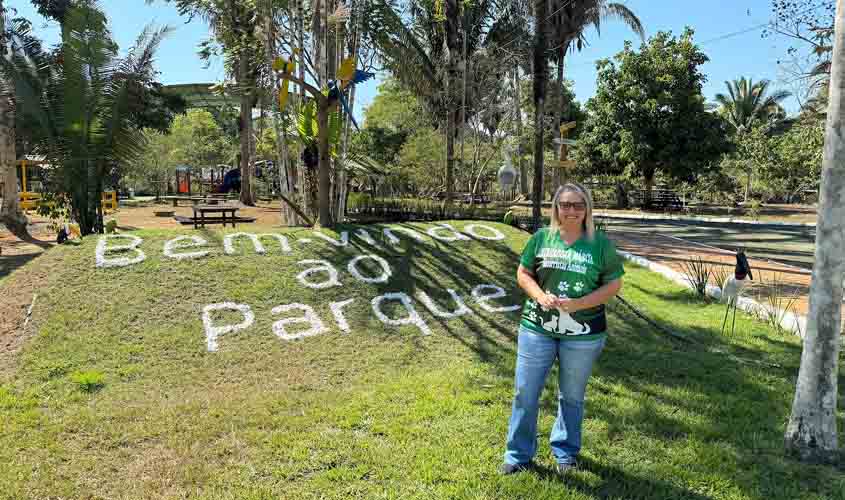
(117, 396)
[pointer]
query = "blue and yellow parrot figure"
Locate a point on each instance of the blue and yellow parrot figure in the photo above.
(286, 67)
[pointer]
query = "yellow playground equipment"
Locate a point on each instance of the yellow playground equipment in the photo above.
(29, 200)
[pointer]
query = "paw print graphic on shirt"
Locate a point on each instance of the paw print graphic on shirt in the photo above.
(579, 287)
(563, 287)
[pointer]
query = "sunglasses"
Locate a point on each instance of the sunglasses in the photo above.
(578, 206)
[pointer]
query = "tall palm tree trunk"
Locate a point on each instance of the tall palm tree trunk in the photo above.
(324, 167)
(523, 172)
(556, 177)
(811, 433)
(286, 210)
(246, 90)
(450, 26)
(10, 211)
(540, 80)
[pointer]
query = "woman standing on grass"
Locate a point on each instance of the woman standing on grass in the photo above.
(569, 271)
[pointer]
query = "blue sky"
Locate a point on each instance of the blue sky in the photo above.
(746, 54)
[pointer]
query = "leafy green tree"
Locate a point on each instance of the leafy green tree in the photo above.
(81, 102)
(198, 140)
(394, 108)
(648, 114)
(153, 171)
(797, 160)
(424, 51)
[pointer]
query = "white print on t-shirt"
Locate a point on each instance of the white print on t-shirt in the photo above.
(564, 324)
(565, 260)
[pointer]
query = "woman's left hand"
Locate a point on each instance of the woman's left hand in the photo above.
(569, 305)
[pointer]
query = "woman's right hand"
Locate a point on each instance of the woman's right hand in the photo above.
(547, 301)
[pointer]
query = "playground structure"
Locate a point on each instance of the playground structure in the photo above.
(31, 185)
(207, 180)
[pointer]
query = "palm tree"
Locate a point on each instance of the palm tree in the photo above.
(747, 105)
(569, 21)
(82, 104)
(425, 53)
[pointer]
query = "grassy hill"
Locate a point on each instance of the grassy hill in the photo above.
(117, 395)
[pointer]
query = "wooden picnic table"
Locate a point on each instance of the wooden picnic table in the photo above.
(223, 210)
(197, 199)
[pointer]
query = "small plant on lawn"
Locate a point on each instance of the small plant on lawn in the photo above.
(89, 381)
(721, 274)
(778, 302)
(697, 273)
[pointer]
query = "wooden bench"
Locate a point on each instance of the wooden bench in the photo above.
(223, 210)
(661, 199)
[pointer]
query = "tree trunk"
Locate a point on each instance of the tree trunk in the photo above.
(523, 172)
(811, 433)
(556, 179)
(648, 176)
(540, 81)
(245, 131)
(10, 211)
(324, 167)
(749, 170)
(286, 211)
(450, 39)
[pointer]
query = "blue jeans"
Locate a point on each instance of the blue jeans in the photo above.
(535, 355)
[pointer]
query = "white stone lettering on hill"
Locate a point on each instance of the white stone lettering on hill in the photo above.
(229, 242)
(103, 247)
(316, 324)
(473, 230)
(342, 242)
(283, 241)
(390, 232)
(337, 312)
(439, 313)
(212, 332)
(323, 266)
(367, 237)
(182, 243)
(482, 297)
(413, 318)
(229, 239)
(445, 232)
(385, 269)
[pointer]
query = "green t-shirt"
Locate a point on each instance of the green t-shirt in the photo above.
(571, 271)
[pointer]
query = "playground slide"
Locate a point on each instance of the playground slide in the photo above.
(231, 182)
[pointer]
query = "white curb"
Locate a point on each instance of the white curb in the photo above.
(721, 220)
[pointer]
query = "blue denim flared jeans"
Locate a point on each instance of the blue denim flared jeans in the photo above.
(535, 356)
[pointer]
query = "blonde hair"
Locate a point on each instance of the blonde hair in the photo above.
(574, 187)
